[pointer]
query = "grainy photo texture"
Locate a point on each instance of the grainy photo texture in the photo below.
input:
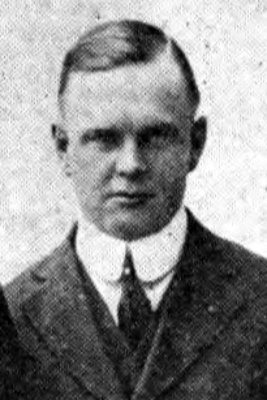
(133, 202)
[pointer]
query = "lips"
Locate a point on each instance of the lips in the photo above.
(130, 197)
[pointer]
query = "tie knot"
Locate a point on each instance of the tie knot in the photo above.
(128, 265)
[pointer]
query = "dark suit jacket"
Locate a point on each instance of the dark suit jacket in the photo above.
(211, 342)
(15, 382)
(8, 343)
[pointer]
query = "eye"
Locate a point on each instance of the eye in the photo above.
(105, 138)
(157, 135)
(86, 137)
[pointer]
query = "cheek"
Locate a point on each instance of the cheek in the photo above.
(89, 170)
(172, 166)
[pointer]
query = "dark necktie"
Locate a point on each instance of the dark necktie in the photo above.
(134, 308)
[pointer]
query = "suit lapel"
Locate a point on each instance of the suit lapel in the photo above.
(60, 313)
(198, 307)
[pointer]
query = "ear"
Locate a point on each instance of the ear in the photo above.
(198, 140)
(61, 142)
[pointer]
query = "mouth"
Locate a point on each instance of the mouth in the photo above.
(130, 198)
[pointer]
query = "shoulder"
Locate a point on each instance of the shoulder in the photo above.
(247, 272)
(249, 267)
(41, 274)
(226, 254)
(231, 269)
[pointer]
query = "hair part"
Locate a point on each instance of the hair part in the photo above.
(120, 43)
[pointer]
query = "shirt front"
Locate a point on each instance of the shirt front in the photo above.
(154, 257)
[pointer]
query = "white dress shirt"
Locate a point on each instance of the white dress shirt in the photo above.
(154, 257)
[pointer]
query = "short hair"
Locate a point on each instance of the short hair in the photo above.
(120, 43)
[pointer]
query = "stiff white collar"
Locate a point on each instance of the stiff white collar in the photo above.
(154, 256)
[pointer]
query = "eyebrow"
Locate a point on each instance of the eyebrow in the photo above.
(159, 125)
(113, 128)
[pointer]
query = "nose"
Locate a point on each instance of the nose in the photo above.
(130, 160)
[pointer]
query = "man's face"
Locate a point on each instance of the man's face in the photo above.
(129, 150)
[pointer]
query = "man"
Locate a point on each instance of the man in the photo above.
(140, 301)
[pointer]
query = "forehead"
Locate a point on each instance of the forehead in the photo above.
(130, 91)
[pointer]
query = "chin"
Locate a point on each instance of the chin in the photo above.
(130, 229)
(127, 232)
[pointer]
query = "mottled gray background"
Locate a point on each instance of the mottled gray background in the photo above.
(226, 42)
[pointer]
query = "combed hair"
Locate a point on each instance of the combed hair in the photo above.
(118, 43)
